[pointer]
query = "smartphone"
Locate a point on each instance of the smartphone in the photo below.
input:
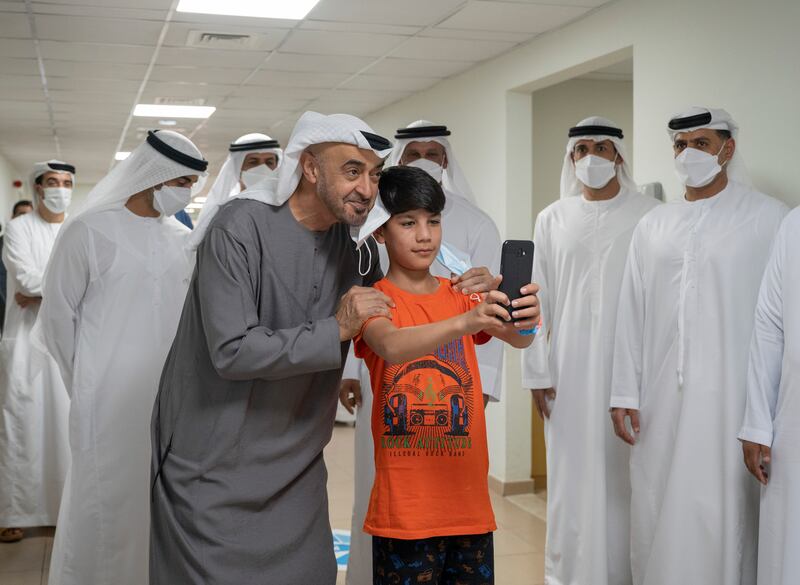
(516, 266)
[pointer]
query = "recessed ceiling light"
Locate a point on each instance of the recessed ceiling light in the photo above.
(158, 111)
(288, 9)
(195, 206)
(167, 122)
(121, 155)
(200, 199)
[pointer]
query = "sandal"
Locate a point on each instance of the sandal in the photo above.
(8, 535)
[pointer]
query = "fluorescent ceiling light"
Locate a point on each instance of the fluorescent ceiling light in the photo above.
(287, 9)
(200, 199)
(167, 122)
(159, 111)
(195, 206)
(121, 155)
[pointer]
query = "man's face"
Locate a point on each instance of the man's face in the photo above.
(260, 158)
(53, 179)
(706, 140)
(604, 149)
(433, 151)
(346, 179)
(21, 210)
(412, 238)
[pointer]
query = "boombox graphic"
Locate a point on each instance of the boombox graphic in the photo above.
(427, 395)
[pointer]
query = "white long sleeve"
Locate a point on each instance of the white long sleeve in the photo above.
(487, 251)
(352, 367)
(629, 340)
(536, 358)
(766, 351)
(20, 261)
(67, 280)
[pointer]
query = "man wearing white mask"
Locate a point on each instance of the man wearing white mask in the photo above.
(470, 239)
(261, 159)
(34, 455)
(582, 243)
(684, 325)
(252, 158)
(113, 294)
(769, 433)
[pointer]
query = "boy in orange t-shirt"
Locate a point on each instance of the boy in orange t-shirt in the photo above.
(429, 512)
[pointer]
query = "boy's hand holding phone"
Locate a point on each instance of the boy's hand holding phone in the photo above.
(509, 326)
(485, 315)
(525, 310)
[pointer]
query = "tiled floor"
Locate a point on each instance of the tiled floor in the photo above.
(519, 540)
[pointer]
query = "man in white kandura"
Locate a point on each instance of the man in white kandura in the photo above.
(34, 455)
(469, 239)
(680, 362)
(770, 434)
(112, 299)
(582, 243)
(252, 159)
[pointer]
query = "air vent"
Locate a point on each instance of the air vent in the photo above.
(223, 40)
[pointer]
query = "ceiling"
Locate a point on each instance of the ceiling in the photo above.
(73, 70)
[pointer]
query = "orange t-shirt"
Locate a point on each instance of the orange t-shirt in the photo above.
(429, 430)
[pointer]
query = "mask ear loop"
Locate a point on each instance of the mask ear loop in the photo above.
(720, 152)
(369, 262)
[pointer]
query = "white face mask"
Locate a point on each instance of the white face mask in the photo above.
(57, 199)
(170, 200)
(434, 169)
(378, 216)
(257, 174)
(594, 171)
(696, 168)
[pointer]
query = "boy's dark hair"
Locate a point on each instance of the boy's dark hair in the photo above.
(408, 188)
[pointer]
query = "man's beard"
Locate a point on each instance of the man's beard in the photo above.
(338, 206)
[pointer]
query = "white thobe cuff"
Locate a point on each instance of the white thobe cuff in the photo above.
(625, 402)
(759, 436)
(537, 382)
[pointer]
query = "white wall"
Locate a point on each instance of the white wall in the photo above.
(559, 107)
(738, 54)
(79, 194)
(8, 194)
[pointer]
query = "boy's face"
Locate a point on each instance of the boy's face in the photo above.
(412, 238)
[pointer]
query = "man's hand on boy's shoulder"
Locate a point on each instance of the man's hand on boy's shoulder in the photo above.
(476, 280)
(359, 305)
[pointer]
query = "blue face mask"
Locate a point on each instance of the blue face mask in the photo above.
(456, 261)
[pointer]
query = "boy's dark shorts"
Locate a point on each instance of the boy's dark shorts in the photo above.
(448, 560)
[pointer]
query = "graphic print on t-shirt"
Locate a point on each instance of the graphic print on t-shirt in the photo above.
(428, 402)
